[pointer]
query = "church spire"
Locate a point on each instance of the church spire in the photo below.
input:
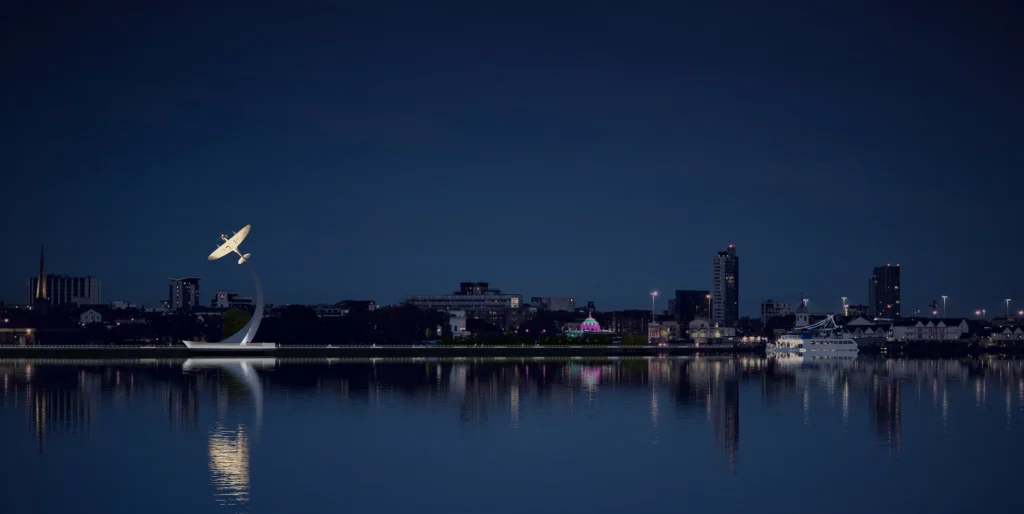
(41, 280)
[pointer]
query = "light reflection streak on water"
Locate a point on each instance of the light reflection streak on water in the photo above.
(846, 401)
(807, 405)
(945, 409)
(229, 464)
(514, 399)
(1009, 405)
(654, 407)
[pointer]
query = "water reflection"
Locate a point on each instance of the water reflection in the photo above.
(229, 464)
(217, 406)
(229, 447)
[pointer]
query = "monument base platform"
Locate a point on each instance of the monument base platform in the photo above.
(220, 347)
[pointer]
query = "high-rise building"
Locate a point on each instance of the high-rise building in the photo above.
(884, 291)
(183, 293)
(725, 287)
(46, 289)
(690, 305)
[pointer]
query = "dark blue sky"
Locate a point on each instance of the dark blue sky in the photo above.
(592, 149)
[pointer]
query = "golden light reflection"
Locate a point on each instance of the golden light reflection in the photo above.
(229, 464)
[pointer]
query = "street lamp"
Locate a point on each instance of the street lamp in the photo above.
(709, 309)
(1007, 307)
(654, 295)
(944, 297)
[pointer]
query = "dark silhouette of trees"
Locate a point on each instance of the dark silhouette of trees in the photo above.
(234, 320)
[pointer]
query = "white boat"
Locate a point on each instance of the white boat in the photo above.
(824, 338)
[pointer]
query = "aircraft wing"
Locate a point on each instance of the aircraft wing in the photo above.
(238, 237)
(230, 245)
(221, 251)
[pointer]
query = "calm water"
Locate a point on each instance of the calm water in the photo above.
(718, 434)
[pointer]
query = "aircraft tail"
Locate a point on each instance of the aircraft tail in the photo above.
(244, 258)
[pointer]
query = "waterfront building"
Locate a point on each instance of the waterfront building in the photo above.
(1008, 334)
(690, 304)
(654, 333)
(884, 291)
(803, 315)
(703, 331)
(90, 316)
(553, 303)
(477, 299)
(183, 293)
(866, 331)
(671, 330)
(725, 287)
(858, 310)
(514, 318)
(633, 321)
(457, 323)
(772, 309)
(589, 326)
(929, 329)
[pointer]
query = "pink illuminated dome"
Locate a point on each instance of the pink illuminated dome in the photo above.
(590, 325)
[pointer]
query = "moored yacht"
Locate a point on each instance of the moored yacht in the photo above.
(822, 338)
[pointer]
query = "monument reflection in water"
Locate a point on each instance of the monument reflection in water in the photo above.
(229, 446)
(315, 435)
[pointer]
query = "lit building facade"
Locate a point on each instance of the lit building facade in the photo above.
(457, 323)
(725, 287)
(62, 290)
(44, 290)
(884, 292)
(589, 326)
(183, 293)
(703, 332)
(930, 329)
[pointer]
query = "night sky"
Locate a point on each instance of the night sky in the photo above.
(589, 149)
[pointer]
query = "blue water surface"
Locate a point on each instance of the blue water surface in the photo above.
(693, 434)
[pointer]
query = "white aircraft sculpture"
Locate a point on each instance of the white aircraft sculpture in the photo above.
(231, 245)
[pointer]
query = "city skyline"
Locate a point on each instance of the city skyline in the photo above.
(663, 306)
(607, 155)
